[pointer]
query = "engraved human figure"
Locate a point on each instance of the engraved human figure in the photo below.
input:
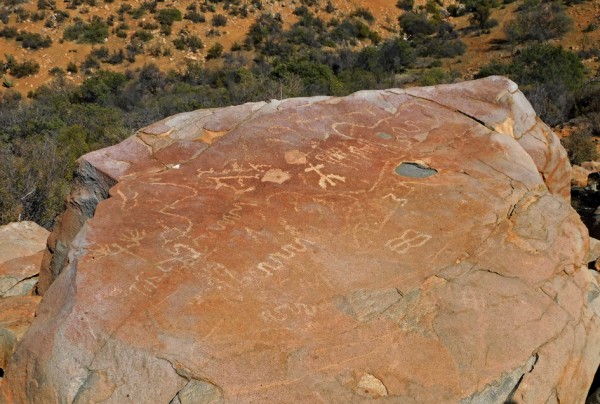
(324, 178)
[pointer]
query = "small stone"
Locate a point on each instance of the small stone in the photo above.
(370, 386)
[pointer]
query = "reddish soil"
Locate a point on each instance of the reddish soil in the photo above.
(481, 47)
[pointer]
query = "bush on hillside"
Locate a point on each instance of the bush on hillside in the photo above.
(214, 51)
(219, 20)
(8, 32)
(23, 69)
(96, 31)
(406, 5)
(46, 4)
(541, 23)
(580, 147)
(543, 63)
(167, 16)
(416, 24)
(143, 35)
(194, 16)
(548, 75)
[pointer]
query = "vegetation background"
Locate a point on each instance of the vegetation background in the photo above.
(78, 75)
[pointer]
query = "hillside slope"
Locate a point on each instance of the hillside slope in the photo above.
(160, 49)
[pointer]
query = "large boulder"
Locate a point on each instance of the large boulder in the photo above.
(402, 245)
(22, 246)
(16, 315)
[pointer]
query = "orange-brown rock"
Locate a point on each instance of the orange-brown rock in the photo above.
(16, 315)
(22, 246)
(579, 176)
(407, 246)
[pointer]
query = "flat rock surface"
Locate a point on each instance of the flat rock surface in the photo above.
(405, 246)
(22, 246)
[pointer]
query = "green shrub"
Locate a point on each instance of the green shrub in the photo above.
(480, 10)
(540, 23)
(102, 88)
(143, 35)
(56, 71)
(416, 24)
(6, 83)
(194, 16)
(214, 51)
(187, 41)
(580, 147)
(72, 67)
(46, 4)
(90, 62)
(549, 77)
(438, 47)
(395, 56)
(137, 13)
(124, 7)
(116, 57)
(149, 25)
(219, 20)
(26, 68)
(542, 63)
(494, 68)
(96, 31)
(8, 32)
(363, 13)
(167, 16)
(100, 53)
(436, 75)
(406, 5)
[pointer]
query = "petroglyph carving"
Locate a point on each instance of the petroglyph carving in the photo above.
(145, 285)
(333, 155)
(183, 257)
(133, 237)
(276, 261)
(237, 177)
(324, 178)
(401, 201)
(288, 310)
(277, 176)
(125, 200)
(408, 240)
(228, 218)
(409, 126)
(130, 238)
(106, 250)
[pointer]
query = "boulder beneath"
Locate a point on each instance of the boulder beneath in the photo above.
(401, 245)
(22, 246)
(16, 315)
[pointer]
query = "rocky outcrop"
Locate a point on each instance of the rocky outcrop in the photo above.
(16, 315)
(401, 245)
(21, 248)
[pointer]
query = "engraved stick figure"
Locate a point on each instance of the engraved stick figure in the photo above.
(409, 239)
(325, 178)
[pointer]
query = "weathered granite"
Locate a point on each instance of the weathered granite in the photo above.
(404, 245)
(22, 246)
(16, 315)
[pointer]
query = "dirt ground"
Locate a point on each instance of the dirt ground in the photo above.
(481, 48)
